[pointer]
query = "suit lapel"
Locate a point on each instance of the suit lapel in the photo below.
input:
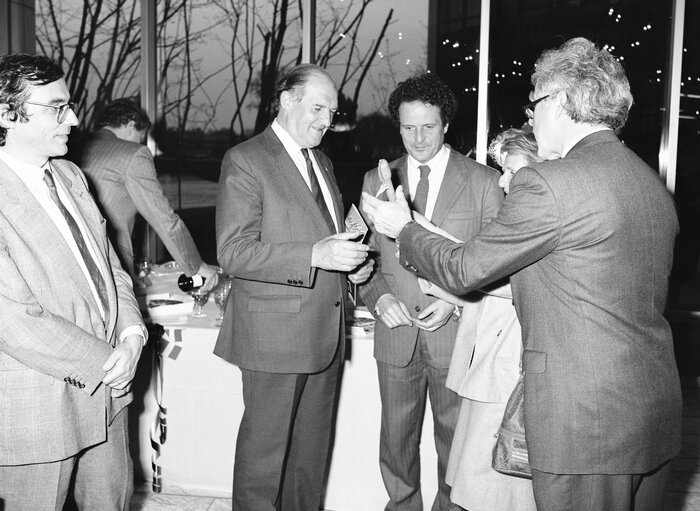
(290, 174)
(450, 190)
(403, 178)
(36, 227)
(329, 178)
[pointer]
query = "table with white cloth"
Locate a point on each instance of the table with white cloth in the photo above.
(198, 398)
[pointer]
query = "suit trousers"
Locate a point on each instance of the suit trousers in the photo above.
(593, 492)
(403, 392)
(284, 440)
(102, 474)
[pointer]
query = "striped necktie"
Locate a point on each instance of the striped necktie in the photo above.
(90, 263)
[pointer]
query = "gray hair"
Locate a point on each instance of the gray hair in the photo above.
(514, 141)
(594, 82)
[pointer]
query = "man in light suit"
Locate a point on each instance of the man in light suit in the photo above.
(415, 333)
(71, 328)
(588, 237)
(123, 177)
(279, 225)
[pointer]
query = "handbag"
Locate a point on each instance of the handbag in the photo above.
(509, 454)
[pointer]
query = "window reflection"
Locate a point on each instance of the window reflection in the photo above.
(685, 285)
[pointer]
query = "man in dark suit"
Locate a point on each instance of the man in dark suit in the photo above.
(71, 328)
(279, 225)
(123, 178)
(588, 237)
(415, 333)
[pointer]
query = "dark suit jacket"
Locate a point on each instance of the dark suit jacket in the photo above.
(591, 238)
(469, 197)
(282, 315)
(52, 329)
(123, 178)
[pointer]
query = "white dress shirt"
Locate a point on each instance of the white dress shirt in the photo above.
(438, 165)
(294, 150)
(33, 177)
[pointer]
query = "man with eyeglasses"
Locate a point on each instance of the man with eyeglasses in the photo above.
(71, 329)
(588, 237)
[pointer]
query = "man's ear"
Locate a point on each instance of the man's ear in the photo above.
(285, 100)
(8, 117)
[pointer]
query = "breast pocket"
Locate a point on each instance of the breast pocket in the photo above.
(534, 362)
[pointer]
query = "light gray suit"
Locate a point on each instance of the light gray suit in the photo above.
(469, 197)
(124, 181)
(283, 324)
(589, 239)
(54, 340)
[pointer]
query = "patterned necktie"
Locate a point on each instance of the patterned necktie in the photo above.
(90, 263)
(420, 200)
(316, 191)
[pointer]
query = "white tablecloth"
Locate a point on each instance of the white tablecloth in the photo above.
(202, 396)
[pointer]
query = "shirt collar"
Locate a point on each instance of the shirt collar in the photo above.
(439, 161)
(25, 171)
(575, 141)
(287, 141)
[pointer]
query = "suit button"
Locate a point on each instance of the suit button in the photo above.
(337, 304)
(81, 385)
(417, 307)
(66, 379)
(289, 281)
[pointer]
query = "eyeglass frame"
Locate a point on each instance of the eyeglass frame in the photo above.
(61, 110)
(529, 109)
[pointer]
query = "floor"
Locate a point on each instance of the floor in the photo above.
(683, 492)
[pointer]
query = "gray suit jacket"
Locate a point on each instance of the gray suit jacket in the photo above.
(123, 179)
(52, 329)
(591, 238)
(282, 315)
(469, 197)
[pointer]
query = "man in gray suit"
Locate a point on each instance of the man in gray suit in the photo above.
(123, 178)
(415, 333)
(279, 232)
(588, 237)
(71, 328)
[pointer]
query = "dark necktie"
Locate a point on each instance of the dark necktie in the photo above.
(316, 191)
(90, 263)
(420, 200)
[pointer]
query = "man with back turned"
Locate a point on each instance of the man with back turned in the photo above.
(588, 236)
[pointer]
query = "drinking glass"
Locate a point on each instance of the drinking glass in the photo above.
(200, 298)
(220, 295)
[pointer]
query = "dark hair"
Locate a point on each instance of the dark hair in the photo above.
(426, 88)
(120, 111)
(294, 81)
(17, 72)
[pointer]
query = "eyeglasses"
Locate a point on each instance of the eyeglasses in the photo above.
(529, 109)
(61, 110)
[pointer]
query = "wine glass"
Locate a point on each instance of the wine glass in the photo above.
(220, 295)
(200, 298)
